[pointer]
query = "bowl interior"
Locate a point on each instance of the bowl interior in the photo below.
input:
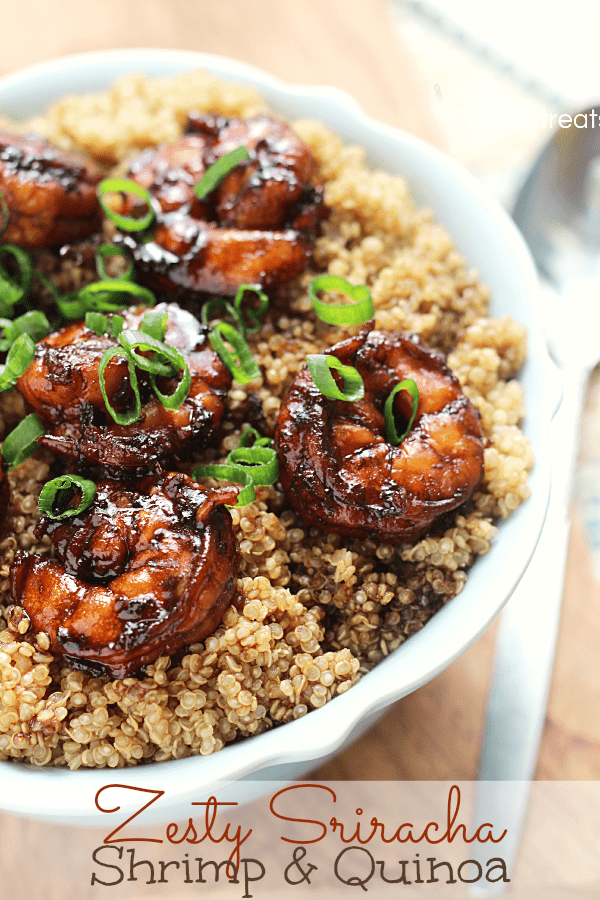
(490, 242)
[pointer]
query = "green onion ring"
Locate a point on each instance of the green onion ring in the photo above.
(320, 367)
(115, 325)
(251, 434)
(261, 462)
(240, 363)
(215, 303)
(229, 472)
(20, 356)
(34, 323)
(388, 410)
(137, 340)
(252, 314)
(125, 186)
(96, 322)
(75, 304)
(69, 305)
(52, 490)
(132, 341)
(112, 250)
(21, 442)
(179, 395)
(154, 324)
(101, 324)
(134, 414)
(88, 296)
(13, 291)
(360, 310)
(215, 174)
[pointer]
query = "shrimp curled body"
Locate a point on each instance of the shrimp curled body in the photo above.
(50, 195)
(256, 227)
(141, 573)
(63, 387)
(336, 466)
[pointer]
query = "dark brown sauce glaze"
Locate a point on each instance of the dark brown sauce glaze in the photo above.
(336, 466)
(63, 388)
(257, 227)
(50, 194)
(145, 571)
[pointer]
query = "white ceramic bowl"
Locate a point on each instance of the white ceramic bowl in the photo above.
(490, 242)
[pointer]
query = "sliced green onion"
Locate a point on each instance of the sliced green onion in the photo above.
(388, 410)
(125, 186)
(211, 306)
(134, 414)
(216, 303)
(20, 356)
(240, 363)
(250, 437)
(261, 462)
(115, 325)
(21, 442)
(252, 314)
(133, 341)
(94, 297)
(169, 362)
(320, 367)
(97, 322)
(69, 305)
(179, 395)
(101, 324)
(34, 323)
(229, 472)
(236, 312)
(60, 491)
(215, 174)
(112, 250)
(154, 323)
(13, 290)
(91, 295)
(360, 310)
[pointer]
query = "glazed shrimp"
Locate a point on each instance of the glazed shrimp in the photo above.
(336, 466)
(63, 387)
(141, 573)
(50, 195)
(257, 227)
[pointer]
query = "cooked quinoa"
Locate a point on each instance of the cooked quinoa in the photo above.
(316, 610)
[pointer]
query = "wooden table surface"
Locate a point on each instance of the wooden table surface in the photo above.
(435, 732)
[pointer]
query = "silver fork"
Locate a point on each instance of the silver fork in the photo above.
(558, 211)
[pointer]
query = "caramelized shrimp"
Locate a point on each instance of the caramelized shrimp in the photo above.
(336, 466)
(50, 195)
(63, 387)
(141, 573)
(257, 227)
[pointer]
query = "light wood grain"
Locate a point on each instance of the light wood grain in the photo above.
(349, 44)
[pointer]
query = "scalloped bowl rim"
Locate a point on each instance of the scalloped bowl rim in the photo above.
(62, 796)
